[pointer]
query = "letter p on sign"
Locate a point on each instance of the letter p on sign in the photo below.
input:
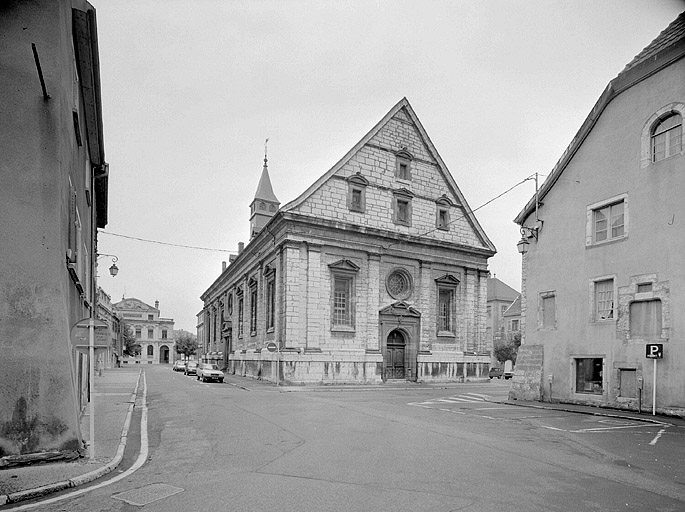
(655, 351)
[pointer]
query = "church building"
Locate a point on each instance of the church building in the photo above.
(376, 272)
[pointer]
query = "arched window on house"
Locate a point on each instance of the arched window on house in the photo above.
(667, 137)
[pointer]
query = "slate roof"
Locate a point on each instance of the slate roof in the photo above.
(674, 32)
(497, 290)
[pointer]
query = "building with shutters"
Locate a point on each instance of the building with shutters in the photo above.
(376, 272)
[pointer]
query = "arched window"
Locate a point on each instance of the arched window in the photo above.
(667, 137)
(150, 349)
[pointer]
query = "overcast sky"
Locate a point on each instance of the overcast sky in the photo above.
(191, 89)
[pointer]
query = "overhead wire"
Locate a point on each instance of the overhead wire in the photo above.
(195, 247)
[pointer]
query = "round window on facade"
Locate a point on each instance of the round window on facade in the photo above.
(399, 284)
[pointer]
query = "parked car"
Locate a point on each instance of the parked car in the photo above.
(190, 368)
(496, 373)
(209, 371)
(179, 366)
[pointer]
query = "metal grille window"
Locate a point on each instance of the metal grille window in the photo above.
(445, 310)
(342, 312)
(270, 303)
(253, 311)
(667, 137)
(609, 222)
(604, 300)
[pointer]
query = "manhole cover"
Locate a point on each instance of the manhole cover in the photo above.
(148, 494)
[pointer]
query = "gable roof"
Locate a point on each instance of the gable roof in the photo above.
(131, 303)
(514, 309)
(403, 104)
(667, 48)
(497, 290)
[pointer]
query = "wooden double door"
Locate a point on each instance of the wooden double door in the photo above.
(395, 356)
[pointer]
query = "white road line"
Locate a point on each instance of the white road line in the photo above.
(653, 441)
(142, 457)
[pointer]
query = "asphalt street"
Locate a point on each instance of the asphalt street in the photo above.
(219, 446)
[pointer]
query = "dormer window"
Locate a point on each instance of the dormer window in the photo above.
(356, 196)
(403, 160)
(442, 218)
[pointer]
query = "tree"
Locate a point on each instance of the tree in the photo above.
(186, 344)
(131, 348)
(506, 350)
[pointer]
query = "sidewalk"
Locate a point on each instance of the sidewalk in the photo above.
(114, 397)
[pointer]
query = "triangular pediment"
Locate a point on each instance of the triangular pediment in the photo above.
(448, 279)
(400, 308)
(345, 264)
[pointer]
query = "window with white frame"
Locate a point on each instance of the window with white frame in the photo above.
(607, 220)
(667, 137)
(603, 300)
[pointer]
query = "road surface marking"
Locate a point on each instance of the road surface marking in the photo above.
(653, 441)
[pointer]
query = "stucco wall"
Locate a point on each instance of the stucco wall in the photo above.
(609, 164)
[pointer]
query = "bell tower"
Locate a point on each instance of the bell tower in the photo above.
(265, 204)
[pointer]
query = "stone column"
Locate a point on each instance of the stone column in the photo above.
(373, 342)
(315, 303)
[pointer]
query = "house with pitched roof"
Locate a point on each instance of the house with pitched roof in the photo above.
(376, 272)
(603, 248)
(500, 297)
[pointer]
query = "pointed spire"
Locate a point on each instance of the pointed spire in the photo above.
(264, 189)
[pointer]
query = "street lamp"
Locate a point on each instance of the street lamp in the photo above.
(113, 270)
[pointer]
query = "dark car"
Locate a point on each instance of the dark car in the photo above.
(190, 369)
(496, 373)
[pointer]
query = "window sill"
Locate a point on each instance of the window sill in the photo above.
(446, 334)
(607, 242)
(270, 330)
(342, 328)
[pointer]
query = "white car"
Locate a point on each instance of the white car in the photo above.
(209, 371)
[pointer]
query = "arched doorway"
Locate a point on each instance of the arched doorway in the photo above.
(394, 359)
(164, 354)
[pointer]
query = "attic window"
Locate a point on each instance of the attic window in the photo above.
(356, 195)
(667, 137)
(403, 170)
(401, 207)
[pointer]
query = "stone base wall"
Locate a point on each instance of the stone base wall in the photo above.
(298, 369)
(319, 368)
(452, 367)
(526, 383)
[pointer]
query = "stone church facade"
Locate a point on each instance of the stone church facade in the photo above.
(377, 272)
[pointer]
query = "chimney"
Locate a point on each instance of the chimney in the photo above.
(232, 257)
(241, 246)
(156, 304)
(223, 266)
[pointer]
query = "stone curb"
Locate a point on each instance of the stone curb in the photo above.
(44, 490)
